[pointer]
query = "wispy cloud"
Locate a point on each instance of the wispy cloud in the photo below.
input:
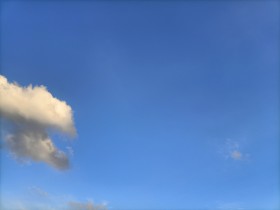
(74, 205)
(232, 150)
(37, 198)
(236, 155)
(39, 192)
(229, 206)
(32, 112)
(70, 150)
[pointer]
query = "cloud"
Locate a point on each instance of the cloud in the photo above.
(236, 155)
(229, 206)
(33, 112)
(36, 198)
(233, 151)
(39, 192)
(70, 150)
(73, 205)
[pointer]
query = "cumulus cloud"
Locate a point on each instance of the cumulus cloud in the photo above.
(33, 112)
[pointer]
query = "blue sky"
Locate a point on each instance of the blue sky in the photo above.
(175, 103)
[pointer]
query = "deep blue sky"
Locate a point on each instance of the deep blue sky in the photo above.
(158, 90)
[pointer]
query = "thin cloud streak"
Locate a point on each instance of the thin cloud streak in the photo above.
(73, 205)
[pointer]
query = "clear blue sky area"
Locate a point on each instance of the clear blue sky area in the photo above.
(176, 104)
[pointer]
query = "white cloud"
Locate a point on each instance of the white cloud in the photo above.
(70, 150)
(236, 155)
(232, 150)
(33, 111)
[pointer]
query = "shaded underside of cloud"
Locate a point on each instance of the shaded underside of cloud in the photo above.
(32, 112)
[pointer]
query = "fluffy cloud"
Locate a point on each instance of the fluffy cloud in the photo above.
(32, 112)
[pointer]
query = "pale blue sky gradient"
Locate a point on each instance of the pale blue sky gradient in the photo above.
(161, 93)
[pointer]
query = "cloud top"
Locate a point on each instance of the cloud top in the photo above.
(35, 104)
(33, 111)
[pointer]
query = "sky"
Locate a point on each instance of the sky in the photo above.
(139, 105)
